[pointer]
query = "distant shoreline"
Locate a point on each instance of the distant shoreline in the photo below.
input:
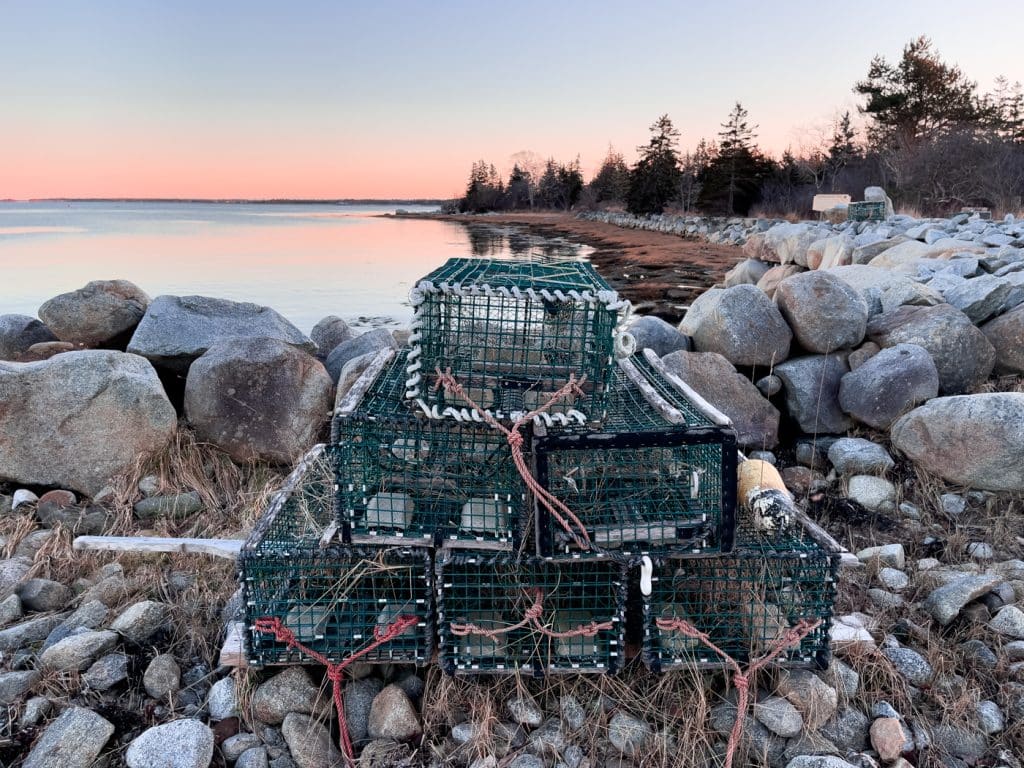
(232, 201)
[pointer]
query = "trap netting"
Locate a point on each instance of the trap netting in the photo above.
(512, 333)
(658, 477)
(744, 602)
(331, 597)
(499, 614)
(865, 211)
(401, 477)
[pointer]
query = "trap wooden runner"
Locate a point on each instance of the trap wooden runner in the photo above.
(227, 548)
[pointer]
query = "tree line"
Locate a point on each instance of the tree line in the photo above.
(931, 138)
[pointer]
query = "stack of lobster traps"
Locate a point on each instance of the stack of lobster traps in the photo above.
(507, 481)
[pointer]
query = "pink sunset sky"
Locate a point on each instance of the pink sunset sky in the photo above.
(340, 100)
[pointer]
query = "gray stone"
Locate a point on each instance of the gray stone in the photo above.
(234, 746)
(140, 621)
(824, 312)
(889, 385)
(902, 293)
(779, 716)
(371, 341)
(885, 600)
(413, 685)
(654, 333)
(1014, 650)
(818, 761)
(103, 312)
(1006, 334)
(44, 595)
(179, 744)
(253, 758)
(875, 494)
(979, 550)
(34, 711)
(962, 355)
(178, 329)
(848, 730)
(18, 333)
(856, 456)
(811, 386)
(162, 677)
(911, 665)
(350, 374)
(549, 739)
(574, 716)
(12, 572)
(329, 333)
(73, 740)
(862, 354)
(971, 440)
(77, 420)
(628, 734)
(788, 243)
(289, 691)
(392, 716)
(945, 602)
(990, 716)
(741, 324)
(749, 271)
(524, 711)
(29, 632)
(10, 610)
(106, 672)
(359, 696)
(1009, 622)
(715, 379)
(979, 653)
(769, 385)
(110, 590)
(952, 504)
(847, 677)
(258, 399)
(14, 685)
(78, 651)
(526, 760)
(222, 701)
(815, 699)
(32, 543)
(769, 282)
(176, 506)
(981, 297)
(967, 744)
(894, 580)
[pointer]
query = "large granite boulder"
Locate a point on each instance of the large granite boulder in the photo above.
(889, 384)
(788, 243)
(78, 419)
(713, 377)
(177, 329)
(654, 333)
(871, 282)
(104, 312)
(258, 398)
(747, 272)
(371, 341)
(740, 323)
(18, 333)
(972, 440)
(963, 356)
(1006, 334)
(770, 280)
(811, 388)
(824, 312)
(329, 333)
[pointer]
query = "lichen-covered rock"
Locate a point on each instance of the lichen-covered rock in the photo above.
(888, 385)
(739, 323)
(824, 312)
(104, 312)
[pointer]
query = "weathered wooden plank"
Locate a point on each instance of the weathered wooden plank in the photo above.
(355, 395)
(226, 548)
(232, 653)
(661, 405)
(701, 404)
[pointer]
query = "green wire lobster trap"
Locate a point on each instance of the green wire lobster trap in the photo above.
(402, 478)
(865, 211)
(512, 333)
(500, 614)
(744, 602)
(660, 476)
(331, 597)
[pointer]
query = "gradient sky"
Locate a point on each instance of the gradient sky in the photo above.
(328, 99)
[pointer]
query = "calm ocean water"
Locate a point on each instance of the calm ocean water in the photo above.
(305, 261)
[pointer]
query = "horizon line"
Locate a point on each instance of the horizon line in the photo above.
(265, 200)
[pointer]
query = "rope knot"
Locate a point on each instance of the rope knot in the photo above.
(515, 439)
(336, 673)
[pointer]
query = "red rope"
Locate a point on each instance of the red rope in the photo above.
(741, 679)
(532, 615)
(274, 626)
(565, 516)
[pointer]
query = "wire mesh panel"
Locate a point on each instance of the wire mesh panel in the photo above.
(512, 333)
(499, 614)
(404, 478)
(865, 211)
(744, 602)
(331, 597)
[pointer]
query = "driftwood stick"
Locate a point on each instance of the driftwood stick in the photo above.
(226, 548)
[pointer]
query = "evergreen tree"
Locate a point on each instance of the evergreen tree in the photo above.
(611, 182)
(517, 194)
(735, 145)
(842, 149)
(1008, 109)
(731, 183)
(654, 180)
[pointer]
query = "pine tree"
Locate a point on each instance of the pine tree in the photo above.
(611, 182)
(736, 141)
(842, 149)
(654, 180)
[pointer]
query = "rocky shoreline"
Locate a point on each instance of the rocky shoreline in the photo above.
(879, 366)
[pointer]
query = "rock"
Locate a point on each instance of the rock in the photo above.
(548, 739)
(980, 654)
(20, 332)
(162, 677)
(310, 743)
(847, 677)
(862, 354)
(877, 195)
(811, 387)
(816, 700)
(891, 555)
(106, 672)
(14, 685)
(524, 711)
(963, 357)
(945, 602)
(1006, 334)
(628, 734)
(1014, 650)
(140, 621)
(350, 374)
(179, 744)
(253, 758)
(888, 385)
(769, 385)
(971, 440)
(889, 738)
(329, 333)
(902, 293)
(392, 716)
(574, 716)
(110, 590)
(911, 665)
(44, 595)
(359, 696)
(894, 580)
(788, 243)
(779, 716)
(12, 571)
(258, 399)
(800, 480)
(73, 740)
(739, 323)
(856, 456)
(769, 282)
(818, 761)
(10, 610)
(76, 420)
(825, 313)
(288, 691)
(749, 271)
(78, 651)
(654, 333)
(178, 329)
(178, 506)
(526, 760)
(980, 298)
(222, 701)
(848, 730)
(979, 550)
(233, 746)
(715, 379)
(29, 632)
(35, 709)
(990, 716)
(876, 494)
(371, 341)
(967, 744)
(104, 312)
(1009, 622)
